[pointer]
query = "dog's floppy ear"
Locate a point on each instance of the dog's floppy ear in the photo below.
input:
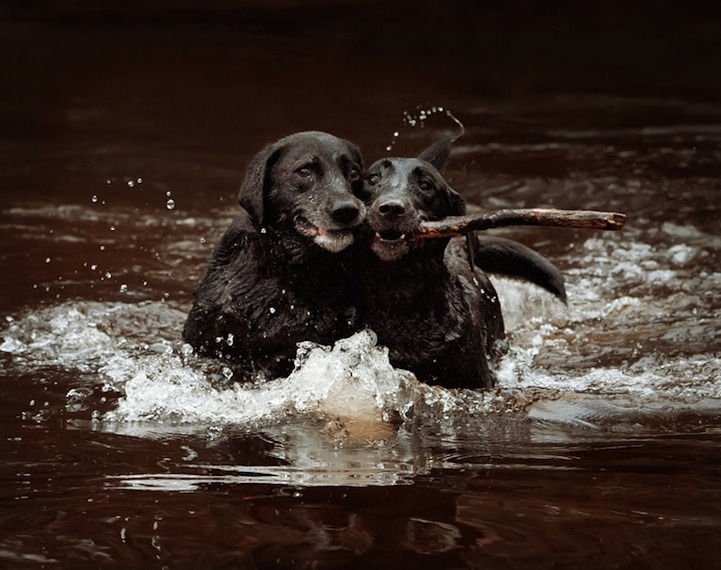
(437, 154)
(355, 152)
(253, 189)
(457, 206)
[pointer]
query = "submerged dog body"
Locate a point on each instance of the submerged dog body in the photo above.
(279, 275)
(438, 314)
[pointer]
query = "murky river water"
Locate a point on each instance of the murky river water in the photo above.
(123, 144)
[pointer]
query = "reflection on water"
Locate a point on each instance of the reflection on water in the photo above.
(600, 445)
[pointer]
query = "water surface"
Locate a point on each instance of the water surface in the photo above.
(123, 146)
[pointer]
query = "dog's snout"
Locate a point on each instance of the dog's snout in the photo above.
(392, 208)
(345, 212)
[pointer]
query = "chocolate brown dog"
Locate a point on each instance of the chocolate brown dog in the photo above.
(279, 275)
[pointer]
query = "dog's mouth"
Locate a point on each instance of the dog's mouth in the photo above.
(305, 227)
(331, 240)
(390, 236)
(391, 245)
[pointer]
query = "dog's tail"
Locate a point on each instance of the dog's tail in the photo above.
(512, 259)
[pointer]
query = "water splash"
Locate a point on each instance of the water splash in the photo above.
(418, 119)
(640, 325)
(132, 350)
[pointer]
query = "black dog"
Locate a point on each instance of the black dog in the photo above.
(279, 275)
(438, 313)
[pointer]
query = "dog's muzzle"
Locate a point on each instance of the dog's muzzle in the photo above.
(333, 240)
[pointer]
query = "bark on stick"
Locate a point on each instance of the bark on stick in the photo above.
(585, 219)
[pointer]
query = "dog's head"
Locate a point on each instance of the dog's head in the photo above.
(401, 193)
(306, 183)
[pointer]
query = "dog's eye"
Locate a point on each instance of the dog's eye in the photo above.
(354, 175)
(425, 185)
(304, 171)
(373, 179)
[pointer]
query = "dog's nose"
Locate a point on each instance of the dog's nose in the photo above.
(392, 209)
(345, 212)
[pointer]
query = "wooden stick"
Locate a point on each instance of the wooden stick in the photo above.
(586, 219)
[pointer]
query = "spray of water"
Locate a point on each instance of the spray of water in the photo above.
(418, 118)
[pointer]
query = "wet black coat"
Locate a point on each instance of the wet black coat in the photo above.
(280, 273)
(437, 312)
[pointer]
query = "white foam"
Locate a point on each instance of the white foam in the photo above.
(135, 350)
(354, 379)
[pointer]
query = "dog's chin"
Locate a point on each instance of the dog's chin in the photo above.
(330, 240)
(390, 247)
(334, 241)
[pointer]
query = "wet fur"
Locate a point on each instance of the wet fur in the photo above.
(279, 275)
(429, 301)
(438, 314)
(512, 259)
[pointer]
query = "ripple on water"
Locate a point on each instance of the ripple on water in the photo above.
(132, 350)
(641, 324)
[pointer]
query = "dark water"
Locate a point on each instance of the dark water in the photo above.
(124, 136)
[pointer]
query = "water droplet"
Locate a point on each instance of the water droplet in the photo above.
(112, 228)
(170, 204)
(272, 310)
(95, 198)
(263, 231)
(47, 260)
(168, 193)
(228, 373)
(230, 340)
(102, 248)
(93, 267)
(131, 183)
(140, 180)
(108, 275)
(123, 288)
(389, 147)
